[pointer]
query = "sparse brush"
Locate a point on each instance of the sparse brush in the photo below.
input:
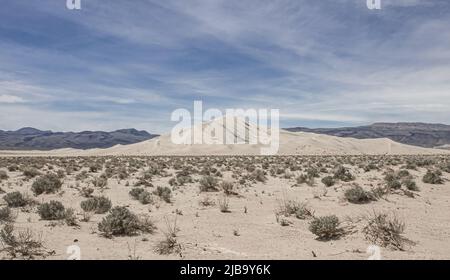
(208, 184)
(3, 175)
(100, 182)
(48, 183)
(343, 174)
(86, 192)
(356, 194)
(121, 221)
(385, 231)
(15, 199)
(53, 210)
(22, 244)
(227, 188)
(410, 185)
(291, 207)
(98, 205)
(30, 172)
(170, 244)
(164, 193)
(328, 181)
(7, 215)
(433, 177)
(326, 228)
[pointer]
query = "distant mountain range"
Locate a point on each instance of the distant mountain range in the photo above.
(417, 134)
(29, 138)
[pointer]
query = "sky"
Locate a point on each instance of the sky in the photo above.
(120, 64)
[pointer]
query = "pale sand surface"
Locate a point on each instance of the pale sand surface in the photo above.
(207, 233)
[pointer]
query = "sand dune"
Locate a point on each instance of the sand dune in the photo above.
(291, 143)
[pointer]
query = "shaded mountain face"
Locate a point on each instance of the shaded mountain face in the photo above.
(417, 134)
(29, 138)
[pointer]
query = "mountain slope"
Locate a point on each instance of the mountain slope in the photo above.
(29, 138)
(417, 134)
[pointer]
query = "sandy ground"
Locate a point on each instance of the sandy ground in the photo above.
(207, 233)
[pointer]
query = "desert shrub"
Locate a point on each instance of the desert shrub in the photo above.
(83, 175)
(227, 187)
(121, 221)
(6, 215)
(370, 167)
(70, 217)
(208, 184)
(328, 181)
(312, 172)
(145, 197)
(410, 185)
(31, 172)
(385, 231)
(291, 207)
(13, 168)
(343, 174)
(24, 244)
(303, 178)
(100, 181)
(97, 204)
(433, 177)
(164, 193)
(3, 175)
(258, 175)
(48, 183)
(86, 192)
(15, 199)
(394, 184)
(53, 210)
(356, 194)
(135, 192)
(170, 244)
(94, 168)
(326, 227)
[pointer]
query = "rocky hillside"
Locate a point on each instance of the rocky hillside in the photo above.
(34, 139)
(418, 134)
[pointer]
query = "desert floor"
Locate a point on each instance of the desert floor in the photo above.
(251, 228)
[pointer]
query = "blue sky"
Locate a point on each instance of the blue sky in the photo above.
(120, 63)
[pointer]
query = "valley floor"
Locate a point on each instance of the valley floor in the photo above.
(253, 227)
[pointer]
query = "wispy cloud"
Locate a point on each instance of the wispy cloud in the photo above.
(118, 63)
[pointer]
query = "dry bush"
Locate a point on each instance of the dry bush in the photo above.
(356, 194)
(15, 199)
(385, 231)
(170, 244)
(97, 204)
(53, 210)
(326, 228)
(24, 244)
(121, 221)
(291, 207)
(328, 181)
(164, 193)
(208, 184)
(48, 183)
(6, 215)
(433, 177)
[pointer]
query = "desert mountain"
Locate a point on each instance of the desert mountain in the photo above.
(29, 138)
(290, 143)
(417, 134)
